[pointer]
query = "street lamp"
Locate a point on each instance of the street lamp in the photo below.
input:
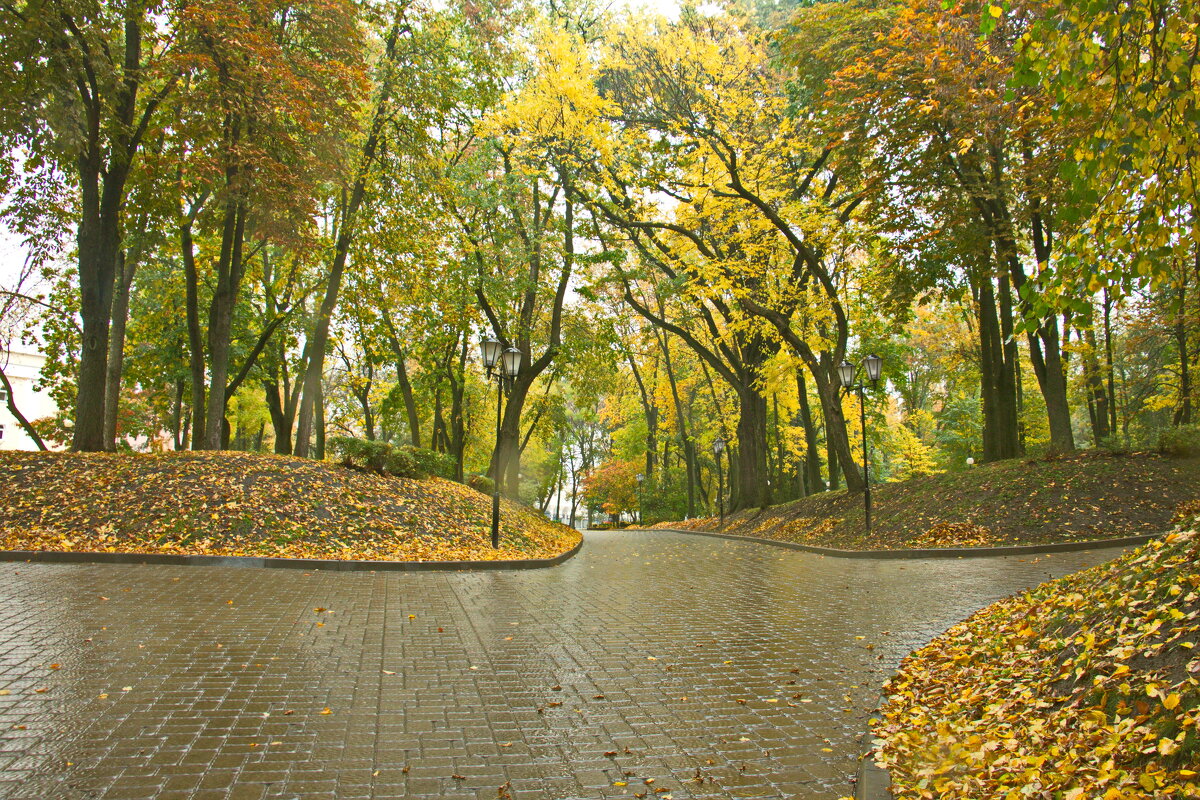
(873, 366)
(509, 363)
(718, 448)
(640, 477)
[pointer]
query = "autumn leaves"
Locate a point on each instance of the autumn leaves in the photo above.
(1087, 687)
(225, 504)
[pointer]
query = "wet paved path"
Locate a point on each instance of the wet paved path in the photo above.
(717, 668)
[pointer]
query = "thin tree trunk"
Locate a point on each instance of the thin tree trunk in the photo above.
(319, 340)
(11, 403)
(458, 428)
(402, 380)
(650, 411)
(691, 468)
(319, 443)
(1108, 362)
(1093, 378)
(195, 339)
(126, 266)
(1183, 415)
(812, 461)
(177, 417)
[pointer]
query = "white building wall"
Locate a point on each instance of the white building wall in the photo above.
(22, 369)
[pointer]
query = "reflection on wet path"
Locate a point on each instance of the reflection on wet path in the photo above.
(712, 668)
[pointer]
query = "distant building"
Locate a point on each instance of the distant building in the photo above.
(22, 369)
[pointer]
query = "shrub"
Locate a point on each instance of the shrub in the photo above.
(431, 462)
(375, 456)
(1182, 441)
(481, 483)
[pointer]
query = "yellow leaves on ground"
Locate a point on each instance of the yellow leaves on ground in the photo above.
(234, 504)
(1081, 688)
(1006, 503)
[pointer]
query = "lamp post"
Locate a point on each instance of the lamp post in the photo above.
(640, 477)
(503, 365)
(718, 448)
(873, 366)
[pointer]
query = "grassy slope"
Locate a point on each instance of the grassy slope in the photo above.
(239, 504)
(1085, 687)
(1085, 497)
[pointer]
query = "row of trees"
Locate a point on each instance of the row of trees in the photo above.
(296, 215)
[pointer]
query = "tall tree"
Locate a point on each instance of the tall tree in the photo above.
(83, 83)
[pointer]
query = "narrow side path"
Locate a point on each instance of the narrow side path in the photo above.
(713, 668)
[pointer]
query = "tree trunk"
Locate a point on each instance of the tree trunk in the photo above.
(402, 380)
(126, 266)
(458, 425)
(747, 473)
(997, 385)
(506, 457)
(650, 411)
(836, 435)
(11, 403)
(319, 340)
(1110, 371)
(688, 447)
(1183, 414)
(439, 437)
(1008, 393)
(177, 417)
(98, 235)
(1045, 347)
(1094, 380)
(195, 339)
(319, 438)
(1049, 368)
(220, 316)
(812, 462)
(98, 239)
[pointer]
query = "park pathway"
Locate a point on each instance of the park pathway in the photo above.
(705, 667)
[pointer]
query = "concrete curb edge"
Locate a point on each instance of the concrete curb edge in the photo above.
(872, 781)
(328, 565)
(929, 552)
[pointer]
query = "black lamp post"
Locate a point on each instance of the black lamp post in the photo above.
(640, 477)
(718, 449)
(509, 363)
(873, 366)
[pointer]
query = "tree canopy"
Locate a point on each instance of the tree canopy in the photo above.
(259, 224)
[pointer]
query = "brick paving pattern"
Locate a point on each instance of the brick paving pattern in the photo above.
(711, 668)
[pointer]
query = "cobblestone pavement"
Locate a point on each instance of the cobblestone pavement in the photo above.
(704, 667)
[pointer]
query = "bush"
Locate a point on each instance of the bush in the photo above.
(376, 456)
(1182, 441)
(481, 483)
(663, 504)
(1114, 443)
(431, 462)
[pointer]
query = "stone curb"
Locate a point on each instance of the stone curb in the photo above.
(328, 565)
(928, 552)
(872, 781)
